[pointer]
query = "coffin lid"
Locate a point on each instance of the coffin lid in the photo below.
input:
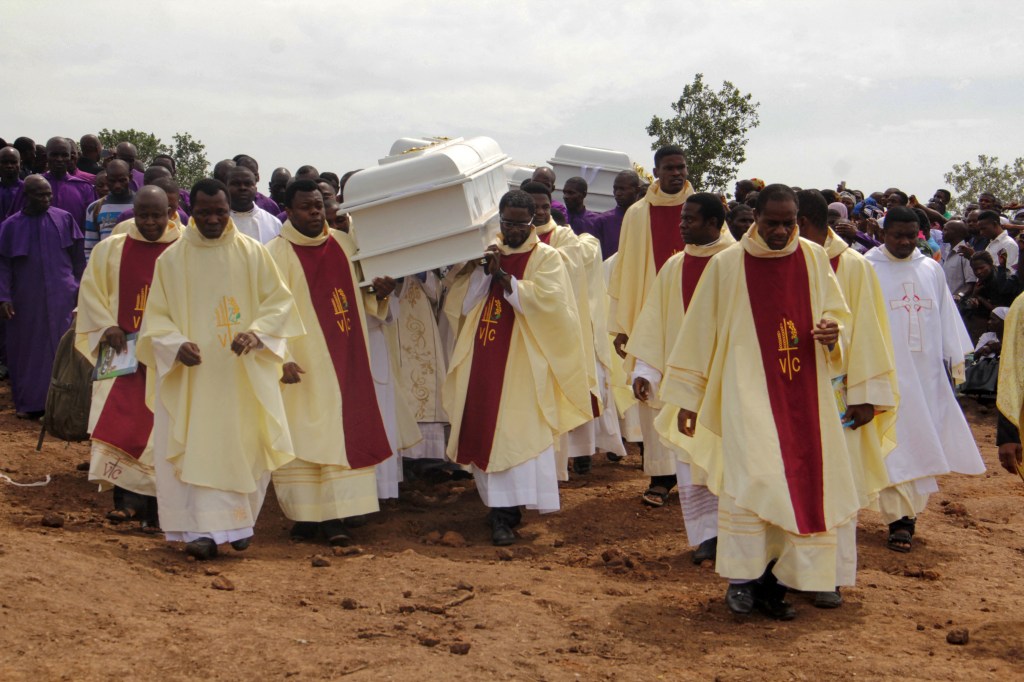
(444, 164)
(591, 157)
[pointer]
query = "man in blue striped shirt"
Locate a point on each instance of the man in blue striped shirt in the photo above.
(104, 213)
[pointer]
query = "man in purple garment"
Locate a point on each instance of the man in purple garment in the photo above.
(70, 194)
(73, 168)
(574, 191)
(91, 149)
(546, 176)
(11, 199)
(168, 162)
(126, 151)
(606, 226)
(42, 256)
(261, 200)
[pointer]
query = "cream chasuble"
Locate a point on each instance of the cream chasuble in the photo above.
(227, 425)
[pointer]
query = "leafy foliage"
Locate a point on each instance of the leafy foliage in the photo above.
(968, 181)
(712, 128)
(189, 154)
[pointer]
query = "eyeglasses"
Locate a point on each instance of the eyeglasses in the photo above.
(512, 223)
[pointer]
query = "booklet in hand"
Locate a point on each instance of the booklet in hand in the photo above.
(112, 364)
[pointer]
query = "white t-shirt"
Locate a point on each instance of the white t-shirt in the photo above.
(1004, 242)
(257, 224)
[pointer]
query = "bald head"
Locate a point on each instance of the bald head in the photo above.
(119, 179)
(91, 147)
(10, 164)
(545, 176)
(126, 151)
(58, 156)
(307, 173)
(150, 194)
(220, 171)
(154, 172)
(37, 195)
(151, 212)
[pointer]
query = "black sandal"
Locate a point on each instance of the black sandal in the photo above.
(655, 496)
(901, 535)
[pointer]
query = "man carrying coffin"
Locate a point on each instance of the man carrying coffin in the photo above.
(214, 340)
(111, 303)
(515, 385)
(752, 375)
(649, 237)
(655, 332)
(336, 425)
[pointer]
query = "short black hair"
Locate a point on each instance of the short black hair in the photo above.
(811, 204)
(774, 192)
(710, 206)
(167, 184)
(517, 198)
(983, 256)
(536, 188)
(899, 214)
(944, 193)
(331, 178)
(668, 150)
(208, 186)
(902, 195)
(578, 182)
(296, 186)
(989, 214)
(830, 195)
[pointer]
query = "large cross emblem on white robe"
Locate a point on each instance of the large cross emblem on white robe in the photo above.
(913, 304)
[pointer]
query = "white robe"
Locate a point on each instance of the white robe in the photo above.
(928, 336)
(257, 223)
(389, 472)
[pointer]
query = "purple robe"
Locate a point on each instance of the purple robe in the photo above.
(283, 217)
(184, 205)
(130, 213)
(137, 181)
(581, 222)
(606, 227)
(559, 206)
(267, 204)
(41, 262)
(11, 199)
(71, 194)
(88, 177)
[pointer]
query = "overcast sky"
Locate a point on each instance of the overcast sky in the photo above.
(874, 93)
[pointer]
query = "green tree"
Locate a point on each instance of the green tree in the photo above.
(148, 145)
(189, 159)
(968, 181)
(712, 128)
(189, 154)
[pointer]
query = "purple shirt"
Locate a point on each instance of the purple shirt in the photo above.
(267, 204)
(137, 181)
(184, 205)
(71, 194)
(581, 222)
(11, 199)
(606, 227)
(41, 262)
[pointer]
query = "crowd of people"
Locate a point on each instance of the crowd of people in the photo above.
(783, 359)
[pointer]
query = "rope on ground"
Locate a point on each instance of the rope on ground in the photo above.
(37, 484)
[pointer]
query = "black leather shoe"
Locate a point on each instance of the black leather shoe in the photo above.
(828, 600)
(304, 530)
(335, 532)
(769, 600)
(706, 551)
(241, 545)
(202, 549)
(501, 534)
(581, 465)
(740, 598)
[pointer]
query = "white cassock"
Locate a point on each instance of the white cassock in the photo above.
(422, 362)
(929, 340)
(257, 223)
(389, 472)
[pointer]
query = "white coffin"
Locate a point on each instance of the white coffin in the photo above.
(597, 166)
(516, 173)
(428, 208)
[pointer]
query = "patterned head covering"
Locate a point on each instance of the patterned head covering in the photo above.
(758, 184)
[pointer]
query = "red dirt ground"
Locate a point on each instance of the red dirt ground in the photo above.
(96, 601)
